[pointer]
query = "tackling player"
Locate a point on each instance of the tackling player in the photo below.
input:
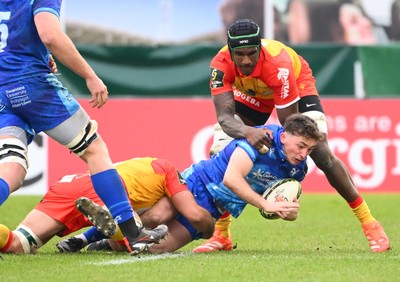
(249, 78)
(146, 181)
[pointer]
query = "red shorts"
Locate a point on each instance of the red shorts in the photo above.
(59, 201)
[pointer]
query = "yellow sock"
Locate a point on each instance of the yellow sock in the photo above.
(363, 213)
(118, 235)
(4, 235)
(222, 226)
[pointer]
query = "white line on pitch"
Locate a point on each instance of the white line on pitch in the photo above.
(139, 259)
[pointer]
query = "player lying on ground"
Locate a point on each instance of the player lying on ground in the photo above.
(239, 175)
(146, 180)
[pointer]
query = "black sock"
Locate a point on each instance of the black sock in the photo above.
(129, 228)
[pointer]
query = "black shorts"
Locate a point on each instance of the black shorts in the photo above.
(310, 103)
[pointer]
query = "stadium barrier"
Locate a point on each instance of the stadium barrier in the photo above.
(363, 133)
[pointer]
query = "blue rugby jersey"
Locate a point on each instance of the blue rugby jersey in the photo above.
(22, 53)
(267, 168)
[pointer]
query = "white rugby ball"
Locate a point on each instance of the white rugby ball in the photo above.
(288, 189)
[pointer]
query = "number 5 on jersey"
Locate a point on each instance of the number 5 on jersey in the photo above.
(3, 30)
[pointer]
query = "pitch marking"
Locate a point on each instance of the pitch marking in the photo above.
(143, 258)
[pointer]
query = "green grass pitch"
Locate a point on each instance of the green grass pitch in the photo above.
(326, 243)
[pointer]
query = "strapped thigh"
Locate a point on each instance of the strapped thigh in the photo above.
(13, 150)
(76, 133)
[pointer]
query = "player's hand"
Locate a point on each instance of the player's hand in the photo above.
(281, 207)
(52, 64)
(259, 138)
(98, 90)
(289, 215)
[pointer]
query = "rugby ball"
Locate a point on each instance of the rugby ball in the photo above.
(288, 189)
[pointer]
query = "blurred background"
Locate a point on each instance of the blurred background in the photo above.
(173, 21)
(154, 57)
(131, 38)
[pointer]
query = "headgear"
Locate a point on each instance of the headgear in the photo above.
(243, 33)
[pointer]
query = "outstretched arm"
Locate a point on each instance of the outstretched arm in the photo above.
(239, 166)
(225, 109)
(61, 46)
(183, 202)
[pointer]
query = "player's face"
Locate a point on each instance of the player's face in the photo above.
(296, 148)
(246, 59)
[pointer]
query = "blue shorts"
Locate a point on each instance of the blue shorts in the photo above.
(36, 104)
(203, 199)
(196, 235)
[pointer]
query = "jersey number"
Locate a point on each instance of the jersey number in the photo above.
(3, 30)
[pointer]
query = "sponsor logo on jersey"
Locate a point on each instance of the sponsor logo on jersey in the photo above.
(2, 106)
(294, 172)
(217, 77)
(244, 97)
(250, 92)
(180, 178)
(283, 75)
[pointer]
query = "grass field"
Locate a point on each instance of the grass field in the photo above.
(326, 243)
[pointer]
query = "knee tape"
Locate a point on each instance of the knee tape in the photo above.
(29, 241)
(13, 150)
(83, 139)
(221, 139)
(320, 119)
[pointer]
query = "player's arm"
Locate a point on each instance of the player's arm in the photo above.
(184, 203)
(283, 113)
(61, 46)
(198, 216)
(225, 109)
(239, 166)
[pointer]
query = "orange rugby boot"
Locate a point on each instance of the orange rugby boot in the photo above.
(377, 238)
(215, 243)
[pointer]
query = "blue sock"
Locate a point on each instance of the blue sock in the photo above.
(93, 235)
(109, 187)
(4, 191)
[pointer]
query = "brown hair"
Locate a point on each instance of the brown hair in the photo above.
(301, 125)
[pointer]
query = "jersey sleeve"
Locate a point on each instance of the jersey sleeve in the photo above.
(221, 74)
(282, 81)
(53, 7)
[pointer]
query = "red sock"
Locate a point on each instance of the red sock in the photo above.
(225, 214)
(356, 202)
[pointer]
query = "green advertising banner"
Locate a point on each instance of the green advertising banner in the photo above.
(182, 70)
(380, 67)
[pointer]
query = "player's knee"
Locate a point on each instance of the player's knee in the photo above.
(323, 158)
(83, 139)
(13, 150)
(151, 219)
(320, 119)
